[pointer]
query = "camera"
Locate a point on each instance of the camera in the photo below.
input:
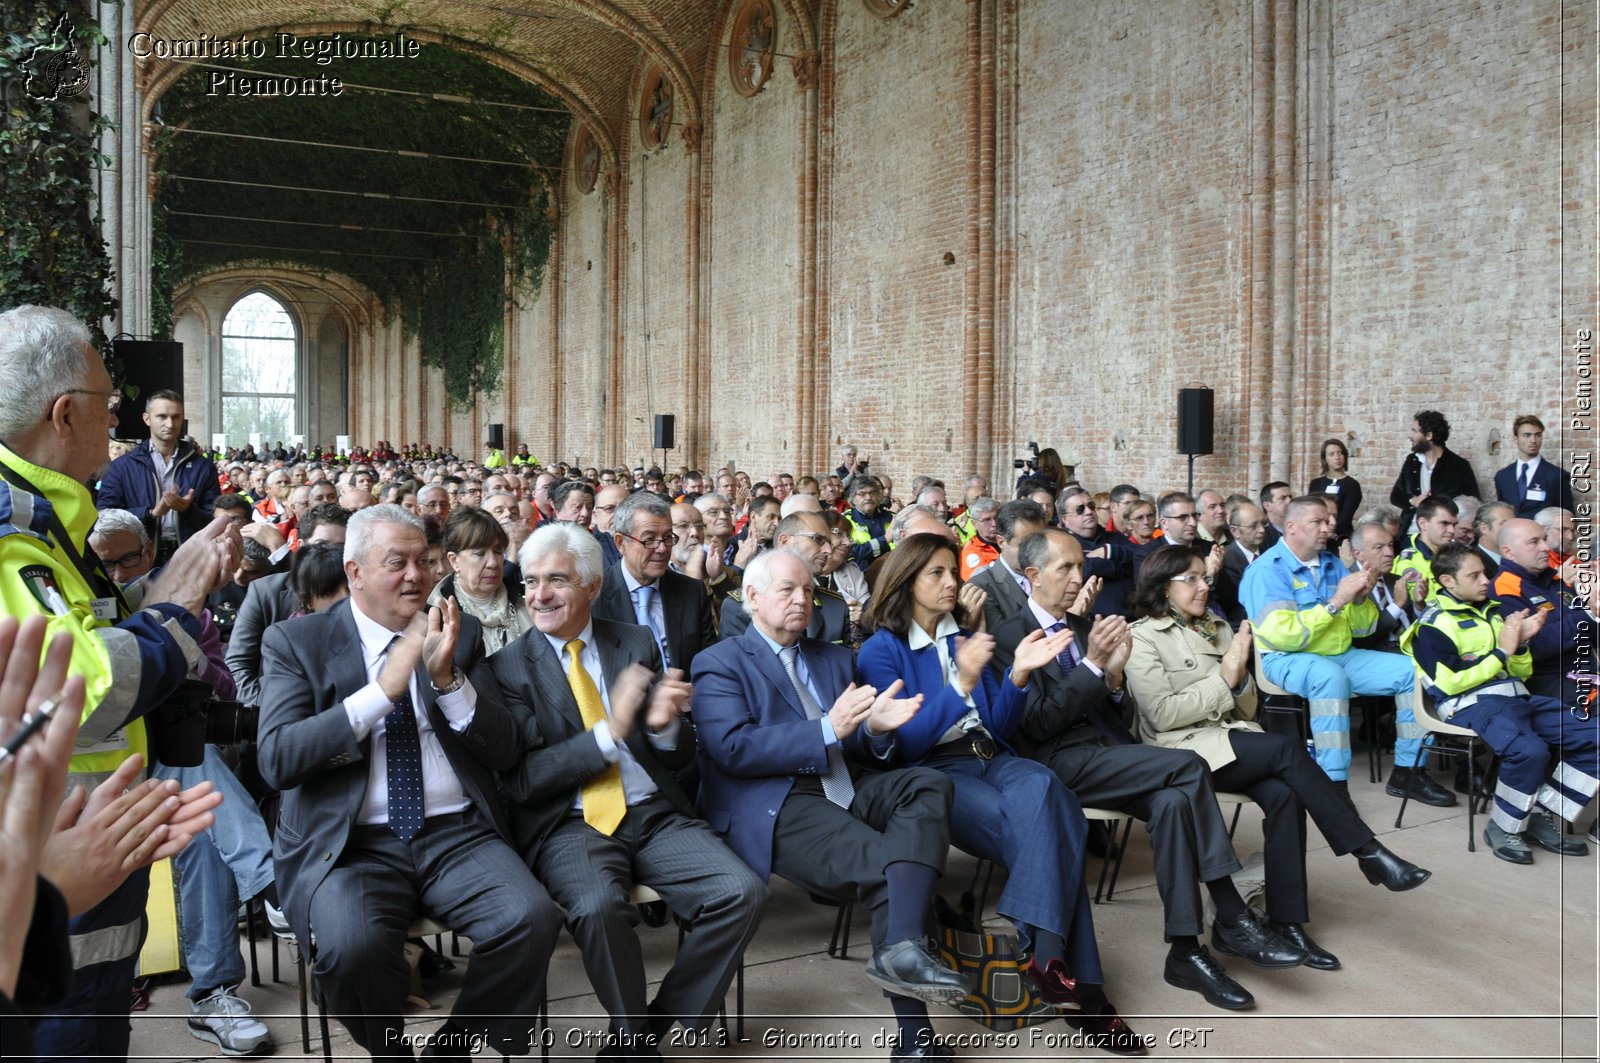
(1029, 463)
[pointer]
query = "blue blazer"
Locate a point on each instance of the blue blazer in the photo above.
(1556, 482)
(755, 737)
(886, 657)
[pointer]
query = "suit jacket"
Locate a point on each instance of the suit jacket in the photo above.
(558, 753)
(1387, 634)
(755, 738)
(1452, 476)
(308, 751)
(266, 601)
(1005, 599)
(1555, 481)
(1117, 573)
(1054, 716)
(1226, 591)
(684, 604)
(830, 616)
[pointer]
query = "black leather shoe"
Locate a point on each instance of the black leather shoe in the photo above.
(1383, 868)
(1512, 848)
(1250, 939)
(1423, 788)
(907, 969)
(1105, 1029)
(1545, 831)
(1052, 984)
(1201, 972)
(934, 1049)
(1317, 957)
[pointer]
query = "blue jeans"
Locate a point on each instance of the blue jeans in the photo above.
(230, 861)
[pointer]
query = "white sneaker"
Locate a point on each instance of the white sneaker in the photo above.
(225, 1020)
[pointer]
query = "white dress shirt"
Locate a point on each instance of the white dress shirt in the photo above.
(366, 709)
(637, 785)
(917, 639)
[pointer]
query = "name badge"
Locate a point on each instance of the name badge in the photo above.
(1331, 489)
(1535, 494)
(105, 608)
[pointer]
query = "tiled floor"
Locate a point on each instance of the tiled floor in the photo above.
(1486, 961)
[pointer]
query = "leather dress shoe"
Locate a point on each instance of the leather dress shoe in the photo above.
(906, 968)
(1317, 957)
(1544, 830)
(1201, 972)
(1423, 788)
(1105, 1029)
(934, 1049)
(1052, 984)
(1250, 939)
(1383, 868)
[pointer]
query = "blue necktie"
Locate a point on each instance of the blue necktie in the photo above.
(1522, 483)
(645, 617)
(403, 759)
(836, 783)
(1068, 659)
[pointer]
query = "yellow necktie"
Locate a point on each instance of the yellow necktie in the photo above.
(603, 800)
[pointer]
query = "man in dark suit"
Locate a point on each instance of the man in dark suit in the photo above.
(1491, 517)
(777, 784)
(1109, 558)
(643, 590)
(1247, 525)
(594, 804)
(1275, 499)
(270, 599)
(1430, 469)
(1531, 483)
(1004, 586)
(1374, 550)
(385, 751)
(806, 536)
(1077, 723)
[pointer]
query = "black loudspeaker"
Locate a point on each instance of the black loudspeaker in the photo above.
(663, 434)
(1195, 421)
(148, 366)
(497, 436)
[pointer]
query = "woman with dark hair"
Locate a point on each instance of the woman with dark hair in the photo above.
(1007, 808)
(1343, 488)
(1190, 675)
(475, 548)
(316, 574)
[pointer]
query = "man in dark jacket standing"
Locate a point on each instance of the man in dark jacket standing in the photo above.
(1430, 469)
(167, 483)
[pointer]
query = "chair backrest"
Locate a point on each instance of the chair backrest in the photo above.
(1427, 716)
(1265, 685)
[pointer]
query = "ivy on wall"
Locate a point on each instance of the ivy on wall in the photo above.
(51, 250)
(445, 234)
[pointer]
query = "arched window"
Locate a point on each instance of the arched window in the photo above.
(259, 364)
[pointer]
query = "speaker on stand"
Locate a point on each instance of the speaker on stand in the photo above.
(662, 437)
(1196, 424)
(148, 366)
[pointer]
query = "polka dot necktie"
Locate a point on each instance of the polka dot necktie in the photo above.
(403, 758)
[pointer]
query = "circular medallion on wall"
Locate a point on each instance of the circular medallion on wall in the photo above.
(586, 160)
(751, 47)
(655, 109)
(886, 8)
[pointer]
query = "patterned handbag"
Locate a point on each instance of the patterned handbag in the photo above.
(1002, 998)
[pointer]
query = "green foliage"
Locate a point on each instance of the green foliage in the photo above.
(442, 241)
(51, 251)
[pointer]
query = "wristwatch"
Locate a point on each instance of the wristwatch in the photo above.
(1333, 610)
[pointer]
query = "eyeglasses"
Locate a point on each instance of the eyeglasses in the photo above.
(126, 560)
(1080, 509)
(652, 545)
(1193, 579)
(1143, 518)
(1180, 516)
(113, 398)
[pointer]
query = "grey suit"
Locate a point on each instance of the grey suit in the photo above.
(658, 844)
(266, 601)
(1004, 598)
(1172, 794)
(343, 882)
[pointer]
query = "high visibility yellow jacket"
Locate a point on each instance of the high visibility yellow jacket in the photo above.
(131, 661)
(1457, 646)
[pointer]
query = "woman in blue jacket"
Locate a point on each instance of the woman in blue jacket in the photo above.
(1007, 808)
